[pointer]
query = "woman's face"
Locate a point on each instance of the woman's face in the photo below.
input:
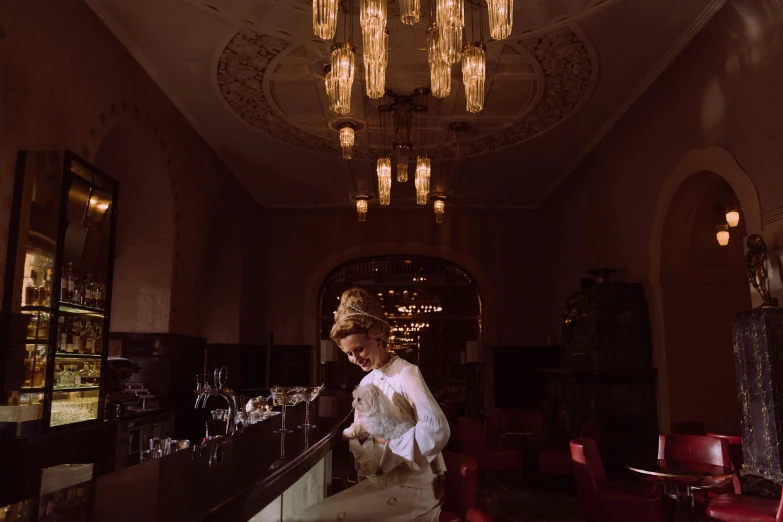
(363, 351)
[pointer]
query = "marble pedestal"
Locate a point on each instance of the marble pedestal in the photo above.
(758, 358)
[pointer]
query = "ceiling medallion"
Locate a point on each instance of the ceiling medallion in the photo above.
(567, 74)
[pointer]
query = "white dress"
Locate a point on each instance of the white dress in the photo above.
(409, 485)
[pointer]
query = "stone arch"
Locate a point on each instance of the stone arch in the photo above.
(121, 113)
(484, 283)
(146, 245)
(715, 160)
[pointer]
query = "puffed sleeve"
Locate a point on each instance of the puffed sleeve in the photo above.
(421, 444)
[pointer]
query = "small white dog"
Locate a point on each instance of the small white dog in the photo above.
(375, 415)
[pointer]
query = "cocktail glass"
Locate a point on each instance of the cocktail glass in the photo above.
(310, 394)
(281, 396)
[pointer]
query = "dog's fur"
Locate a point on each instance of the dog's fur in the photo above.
(376, 415)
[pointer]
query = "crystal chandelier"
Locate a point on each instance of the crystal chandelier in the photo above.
(422, 181)
(375, 72)
(440, 207)
(409, 11)
(474, 60)
(372, 18)
(347, 131)
(501, 18)
(343, 56)
(361, 208)
(450, 13)
(397, 123)
(384, 180)
(324, 18)
(440, 68)
(331, 88)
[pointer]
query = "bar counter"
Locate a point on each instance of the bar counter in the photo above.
(258, 475)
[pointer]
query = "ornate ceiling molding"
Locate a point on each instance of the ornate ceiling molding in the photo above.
(565, 63)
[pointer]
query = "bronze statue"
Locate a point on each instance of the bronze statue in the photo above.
(756, 263)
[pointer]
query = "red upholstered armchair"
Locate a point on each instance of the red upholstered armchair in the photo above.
(698, 448)
(556, 460)
(461, 484)
(606, 501)
(740, 508)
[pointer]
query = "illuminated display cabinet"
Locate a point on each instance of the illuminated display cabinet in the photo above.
(57, 294)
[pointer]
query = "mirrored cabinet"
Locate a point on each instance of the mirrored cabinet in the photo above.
(57, 291)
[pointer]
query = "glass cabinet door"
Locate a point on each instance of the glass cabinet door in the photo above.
(58, 273)
(81, 302)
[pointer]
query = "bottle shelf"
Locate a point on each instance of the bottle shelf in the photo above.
(76, 388)
(81, 309)
(37, 309)
(66, 355)
(33, 389)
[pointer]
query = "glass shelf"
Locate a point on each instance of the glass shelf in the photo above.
(66, 355)
(76, 388)
(81, 309)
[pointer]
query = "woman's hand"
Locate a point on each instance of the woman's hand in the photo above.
(380, 440)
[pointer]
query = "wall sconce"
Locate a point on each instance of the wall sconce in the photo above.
(722, 234)
(732, 216)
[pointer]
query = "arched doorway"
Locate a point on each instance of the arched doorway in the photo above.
(144, 252)
(435, 309)
(703, 285)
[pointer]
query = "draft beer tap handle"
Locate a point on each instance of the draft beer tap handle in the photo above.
(220, 377)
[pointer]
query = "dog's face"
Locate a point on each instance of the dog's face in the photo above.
(365, 399)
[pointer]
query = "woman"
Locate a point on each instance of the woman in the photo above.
(408, 483)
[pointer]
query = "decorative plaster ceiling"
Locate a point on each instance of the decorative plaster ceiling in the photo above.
(248, 74)
(278, 88)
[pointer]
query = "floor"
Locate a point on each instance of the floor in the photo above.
(529, 505)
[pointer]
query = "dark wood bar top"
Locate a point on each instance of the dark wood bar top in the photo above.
(253, 469)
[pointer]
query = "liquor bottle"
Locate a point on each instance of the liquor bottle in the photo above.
(62, 335)
(98, 294)
(31, 289)
(89, 338)
(88, 291)
(78, 341)
(69, 341)
(78, 292)
(76, 378)
(71, 279)
(98, 338)
(32, 327)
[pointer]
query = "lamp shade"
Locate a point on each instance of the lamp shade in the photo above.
(328, 351)
(473, 353)
(732, 216)
(722, 234)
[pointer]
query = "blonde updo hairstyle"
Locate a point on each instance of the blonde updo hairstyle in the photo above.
(359, 312)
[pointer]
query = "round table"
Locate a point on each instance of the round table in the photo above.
(680, 477)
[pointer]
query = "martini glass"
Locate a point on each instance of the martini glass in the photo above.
(282, 396)
(310, 394)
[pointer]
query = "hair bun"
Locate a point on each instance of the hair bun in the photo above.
(359, 312)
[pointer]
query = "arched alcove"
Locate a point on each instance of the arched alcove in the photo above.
(435, 310)
(708, 164)
(412, 248)
(146, 233)
(703, 285)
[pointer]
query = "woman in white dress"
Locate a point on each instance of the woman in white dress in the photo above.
(408, 484)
